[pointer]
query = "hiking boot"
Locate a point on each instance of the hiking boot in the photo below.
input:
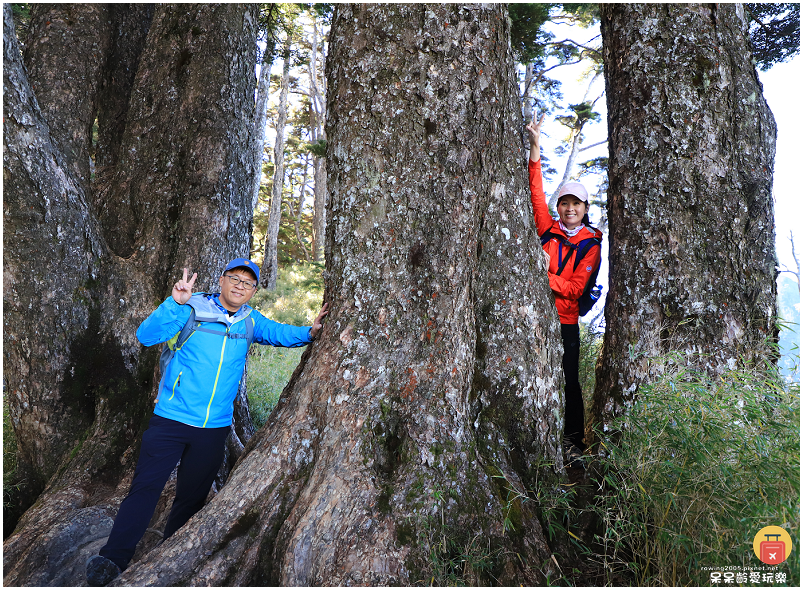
(573, 457)
(100, 570)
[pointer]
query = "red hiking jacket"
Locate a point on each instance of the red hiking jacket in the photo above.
(569, 286)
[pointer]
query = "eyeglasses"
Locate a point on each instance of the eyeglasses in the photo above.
(247, 285)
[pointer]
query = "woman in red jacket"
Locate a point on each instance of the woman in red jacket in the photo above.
(572, 224)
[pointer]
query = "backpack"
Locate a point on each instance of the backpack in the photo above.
(591, 292)
(199, 315)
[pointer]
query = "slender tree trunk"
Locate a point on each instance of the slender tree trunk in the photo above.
(262, 99)
(796, 261)
(318, 133)
(80, 386)
(269, 267)
(575, 141)
(691, 149)
(433, 390)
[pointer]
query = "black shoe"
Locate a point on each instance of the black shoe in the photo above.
(573, 457)
(100, 570)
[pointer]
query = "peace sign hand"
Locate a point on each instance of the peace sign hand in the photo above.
(534, 129)
(182, 290)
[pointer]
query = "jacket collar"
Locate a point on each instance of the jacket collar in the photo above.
(242, 311)
(585, 233)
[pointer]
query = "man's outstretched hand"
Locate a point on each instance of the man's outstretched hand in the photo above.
(318, 321)
(182, 290)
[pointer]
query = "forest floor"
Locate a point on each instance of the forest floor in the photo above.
(588, 529)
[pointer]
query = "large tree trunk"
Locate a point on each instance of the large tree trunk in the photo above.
(320, 208)
(46, 256)
(434, 389)
(692, 142)
(78, 280)
(269, 266)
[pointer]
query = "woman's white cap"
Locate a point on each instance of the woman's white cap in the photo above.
(576, 189)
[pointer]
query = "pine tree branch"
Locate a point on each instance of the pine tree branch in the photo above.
(586, 48)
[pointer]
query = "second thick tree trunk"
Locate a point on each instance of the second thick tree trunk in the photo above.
(691, 149)
(433, 391)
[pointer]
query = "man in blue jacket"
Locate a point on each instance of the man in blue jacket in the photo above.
(194, 408)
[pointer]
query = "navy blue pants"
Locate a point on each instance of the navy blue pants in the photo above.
(200, 451)
(573, 395)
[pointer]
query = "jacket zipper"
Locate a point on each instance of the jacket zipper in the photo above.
(219, 368)
(177, 382)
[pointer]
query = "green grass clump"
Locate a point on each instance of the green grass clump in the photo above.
(9, 451)
(701, 465)
(454, 557)
(268, 372)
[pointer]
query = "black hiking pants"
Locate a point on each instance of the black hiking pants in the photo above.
(164, 443)
(573, 396)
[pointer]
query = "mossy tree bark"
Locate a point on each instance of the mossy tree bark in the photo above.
(86, 259)
(691, 149)
(434, 389)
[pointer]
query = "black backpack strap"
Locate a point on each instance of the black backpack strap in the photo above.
(249, 326)
(564, 261)
(186, 331)
(564, 242)
(584, 246)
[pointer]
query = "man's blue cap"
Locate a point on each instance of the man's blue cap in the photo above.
(243, 263)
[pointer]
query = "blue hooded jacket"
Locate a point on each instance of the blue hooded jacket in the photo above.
(201, 381)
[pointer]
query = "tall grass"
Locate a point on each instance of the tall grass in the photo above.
(9, 453)
(591, 343)
(268, 371)
(701, 466)
(454, 556)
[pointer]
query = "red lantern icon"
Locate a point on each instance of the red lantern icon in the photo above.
(773, 552)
